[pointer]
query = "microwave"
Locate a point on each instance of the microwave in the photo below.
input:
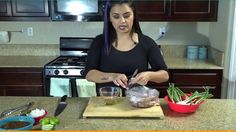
(76, 10)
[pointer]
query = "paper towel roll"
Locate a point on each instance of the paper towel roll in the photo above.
(4, 36)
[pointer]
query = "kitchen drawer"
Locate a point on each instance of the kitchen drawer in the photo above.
(189, 89)
(21, 81)
(19, 76)
(22, 90)
(164, 84)
(190, 80)
(195, 78)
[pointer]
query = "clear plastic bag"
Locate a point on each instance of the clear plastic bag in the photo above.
(142, 96)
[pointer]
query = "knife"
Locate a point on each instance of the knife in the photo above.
(61, 105)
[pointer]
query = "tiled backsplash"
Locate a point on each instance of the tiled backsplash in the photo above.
(29, 50)
(216, 56)
(169, 51)
(175, 51)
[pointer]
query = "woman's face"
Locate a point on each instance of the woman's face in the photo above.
(121, 17)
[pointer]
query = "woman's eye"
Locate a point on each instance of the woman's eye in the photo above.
(126, 16)
(116, 17)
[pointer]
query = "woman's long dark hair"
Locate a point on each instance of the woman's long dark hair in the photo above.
(109, 33)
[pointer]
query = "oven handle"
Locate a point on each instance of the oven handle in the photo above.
(73, 87)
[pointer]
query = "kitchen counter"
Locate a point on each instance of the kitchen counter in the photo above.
(40, 61)
(213, 114)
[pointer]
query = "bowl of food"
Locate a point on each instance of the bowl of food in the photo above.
(185, 102)
(17, 123)
(142, 96)
(182, 108)
(110, 94)
(37, 114)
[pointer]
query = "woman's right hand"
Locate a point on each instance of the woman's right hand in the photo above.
(120, 80)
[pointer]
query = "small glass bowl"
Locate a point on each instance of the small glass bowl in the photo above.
(110, 94)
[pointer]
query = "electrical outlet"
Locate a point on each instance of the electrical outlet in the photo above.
(162, 31)
(30, 31)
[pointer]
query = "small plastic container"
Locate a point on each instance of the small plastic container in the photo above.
(182, 108)
(192, 52)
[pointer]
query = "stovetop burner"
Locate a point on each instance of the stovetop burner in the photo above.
(68, 61)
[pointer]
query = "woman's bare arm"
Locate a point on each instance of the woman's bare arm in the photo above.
(103, 77)
(154, 76)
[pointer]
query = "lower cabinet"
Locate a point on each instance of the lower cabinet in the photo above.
(29, 81)
(190, 80)
(21, 81)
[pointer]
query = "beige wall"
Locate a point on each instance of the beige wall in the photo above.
(221, 36)
(49, 32)
(220, 31)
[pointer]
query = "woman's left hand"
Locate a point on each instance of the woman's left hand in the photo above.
(141, 78)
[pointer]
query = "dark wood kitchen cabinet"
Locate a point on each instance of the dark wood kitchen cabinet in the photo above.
(152, 10)
(5, 8)
(177, 10)
(21, 81)
(24, 10)
(190, 80)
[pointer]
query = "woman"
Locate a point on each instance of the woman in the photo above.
(122, 48)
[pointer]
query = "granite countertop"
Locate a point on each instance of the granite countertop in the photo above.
(40, 61)
(213, 114)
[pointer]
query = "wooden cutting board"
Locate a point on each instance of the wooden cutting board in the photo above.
(97, 108)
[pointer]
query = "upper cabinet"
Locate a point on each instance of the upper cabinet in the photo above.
(152, 10)
(27, 10)
(147, 10)
(5, 8)
(177, 10)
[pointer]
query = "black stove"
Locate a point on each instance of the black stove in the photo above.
(71, 62)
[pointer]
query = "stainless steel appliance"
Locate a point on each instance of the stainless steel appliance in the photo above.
(76, 10)
(70, 64)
